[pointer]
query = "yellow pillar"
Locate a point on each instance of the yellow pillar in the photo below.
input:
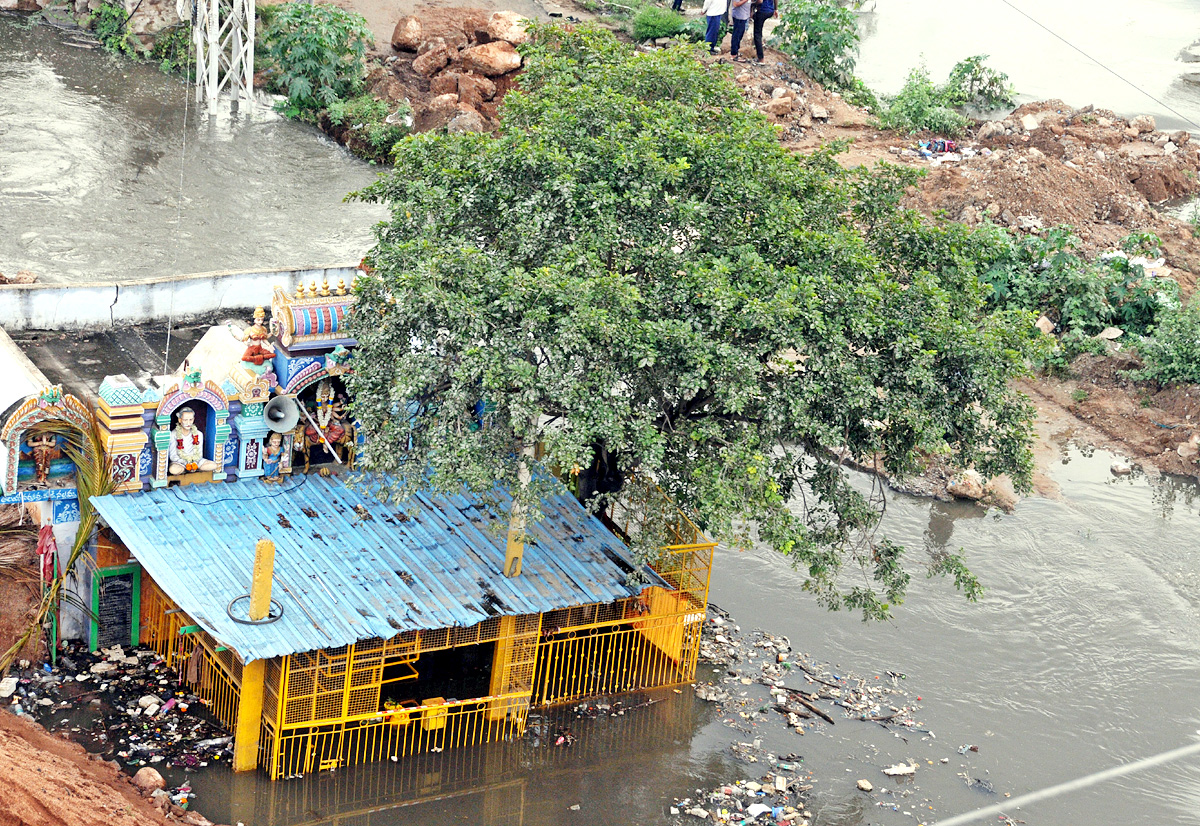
(501, 665)
(250, 700)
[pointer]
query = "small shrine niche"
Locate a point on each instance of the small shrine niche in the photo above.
(327, 429)
(44, 463)
(192, 428)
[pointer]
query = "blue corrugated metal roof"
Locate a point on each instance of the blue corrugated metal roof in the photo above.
(360, 567)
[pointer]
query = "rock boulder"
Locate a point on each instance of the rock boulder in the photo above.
(966, 485)
(509, 27)
(492, 59)
(431, 62)
(148, 780)
(407, 34)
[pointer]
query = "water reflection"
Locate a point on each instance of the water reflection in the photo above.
(634, 764)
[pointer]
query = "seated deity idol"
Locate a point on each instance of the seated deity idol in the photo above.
(186, 453)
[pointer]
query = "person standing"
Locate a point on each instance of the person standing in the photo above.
(714, 10)
(740, 13)
(766, 10)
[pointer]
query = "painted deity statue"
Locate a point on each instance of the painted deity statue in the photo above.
(43, 448)
(330, 415)
(259, 350)
(272, 457)
(186, 453)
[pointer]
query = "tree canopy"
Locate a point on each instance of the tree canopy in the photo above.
(634, 265)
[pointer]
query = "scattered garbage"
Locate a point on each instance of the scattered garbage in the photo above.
(124, 704)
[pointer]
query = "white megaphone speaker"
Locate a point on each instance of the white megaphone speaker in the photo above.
(282, 413)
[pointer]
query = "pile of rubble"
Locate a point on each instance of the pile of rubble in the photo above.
(123, 704)
(453, 68)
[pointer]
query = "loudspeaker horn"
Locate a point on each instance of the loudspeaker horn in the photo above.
(282, 413)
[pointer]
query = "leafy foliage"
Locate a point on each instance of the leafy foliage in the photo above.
(172, 49)
(920, 104)
(109, 26)
(366, 117)
(822, 37)
(654, 21)
(973, 84)
(317, 51)
(634, 268)
(1045, 275)
(1172, 351)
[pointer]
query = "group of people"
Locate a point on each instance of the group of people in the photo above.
(741, 12)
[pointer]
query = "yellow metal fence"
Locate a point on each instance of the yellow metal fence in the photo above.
(300, 750)
(210, 671)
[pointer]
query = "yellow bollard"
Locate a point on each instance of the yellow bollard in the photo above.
(250, 700)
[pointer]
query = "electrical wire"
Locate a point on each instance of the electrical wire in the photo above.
(1071, 785)
(278, 492)
(179, 199)
(1108, 69)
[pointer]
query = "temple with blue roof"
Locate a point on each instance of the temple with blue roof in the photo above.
(324, 626)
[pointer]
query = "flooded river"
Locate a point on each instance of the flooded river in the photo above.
(1085, 652)
(106, 173)
(1116, 54)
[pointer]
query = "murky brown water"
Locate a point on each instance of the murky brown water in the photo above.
(102, 179)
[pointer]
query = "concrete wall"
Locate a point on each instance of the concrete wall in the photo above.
(93, 306)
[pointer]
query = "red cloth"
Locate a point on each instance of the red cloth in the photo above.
(47, 548)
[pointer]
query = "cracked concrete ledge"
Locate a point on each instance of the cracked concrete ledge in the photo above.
(180, 297)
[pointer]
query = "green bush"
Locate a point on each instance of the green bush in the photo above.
(1046, 275)
(921, 105)
(654, 21)
(317, 51)
(822, 38)
(1172, 351)
(366, 117)
(857, 93)
(973, 84)
(172, 49)
(109, 27)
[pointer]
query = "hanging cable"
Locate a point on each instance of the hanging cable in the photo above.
(179, 198)
(1070, 786)
(1111, 71)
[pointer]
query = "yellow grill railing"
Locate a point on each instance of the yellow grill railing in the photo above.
(303, 749)
(216, 674)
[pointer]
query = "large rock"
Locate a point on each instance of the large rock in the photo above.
(509, 27)
(779, 107)
(407, 34)
(966, 485)
(466, 120)
(148, 780)
(149, 17)
(444, 103)
(1029, 122)
(444, 84)
(431, 62)
(492, 59)
(474, 89)
(1143, 124)
(991, 129)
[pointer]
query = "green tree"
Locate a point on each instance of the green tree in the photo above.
(822, 37)
(635, 265)
(317, 51)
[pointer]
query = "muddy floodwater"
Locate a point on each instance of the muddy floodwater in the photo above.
(1084, 654)
(107, 171)
(1115, 54)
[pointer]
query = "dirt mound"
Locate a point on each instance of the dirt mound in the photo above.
(51, 782)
